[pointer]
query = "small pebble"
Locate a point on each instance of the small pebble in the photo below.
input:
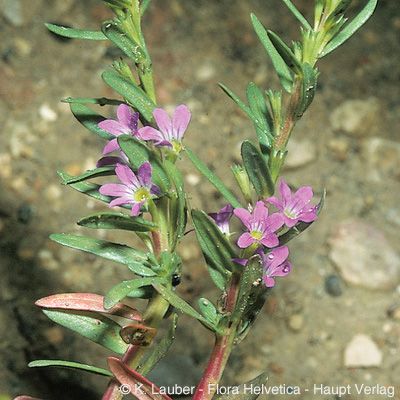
(333, 285)
(47, 260)
(192, 179)
(47, 113)
(24, 213)
(12, 11)
(394, 311)
(53, 192)
(300, 153)
(54, 335)
(362, 352)
(205, 72)
(339, 148)
(296, 322)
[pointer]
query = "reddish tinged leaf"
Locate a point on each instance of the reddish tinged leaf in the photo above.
(141, 388)
(87, 302)
(26, 398)
(137, 334)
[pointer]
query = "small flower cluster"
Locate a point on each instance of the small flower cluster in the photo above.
(261, 236)
(136, 190)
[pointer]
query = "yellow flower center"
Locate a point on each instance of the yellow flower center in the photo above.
(256, 235)
(176, 146)
(141, 194)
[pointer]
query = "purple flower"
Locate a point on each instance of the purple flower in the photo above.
(126, 124)
(294, 207)
(261, 227)
(134, 189)
(170, 131)
(275, 264)
(222, 218)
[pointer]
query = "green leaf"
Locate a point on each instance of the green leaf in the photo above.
(257, 170)
(301, 226)
(285, 52)
(89, 119)
(144, 6)
(132, 94)
(216, 248)
(99, 329)
(69, 364)
(259, 109)
(297, 14)
(219, 279)
(75, 33)
(308, 88)
(181, 304)
(138, 153)
(283, 71)
(208, 310)
(93, 173)
(218, 184)
(159, 350)
(87, 188)
(101, 101)
(350, 28)
(111, 251)
(113, 32)
(263, 131)
(122, 290)
(115, 220)
(178, 210)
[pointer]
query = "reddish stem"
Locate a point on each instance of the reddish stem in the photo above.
(222, 348)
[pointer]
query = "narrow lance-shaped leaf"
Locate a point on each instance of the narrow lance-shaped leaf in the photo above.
(98, 329)
(297, 14)
(90, 174)
(208, 310)
(69, 365)
(159, 350)
(182, 305)
(111, 251)
(216, 248)
(219, 185)
(146, 390)
(133, 94)
(285, 52)
(307, 89)
(101, 101)
(114, 220)
(89, 119)
(259, 109)
(89, 302)
(351, 27)
(283, 71)
(73, 33)
(121, 290)
(257, 170)
(113, 31)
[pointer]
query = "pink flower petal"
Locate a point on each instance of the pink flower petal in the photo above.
(304, 195)
(270, 240)
(124, 115)
(260, 211)
(105, 161)
(113, 127)
(308, 216)
(126, 176)
(164, 122)
(180, 121)
(277, 256)
(149, 133)
(275, 202)
(285, 191)
(120, 201)
(290, 222)
(244, 216)
(136, 209)
(111, 146)
(283, 269)
(268, 281)
(245, 240)
(114, 189)
(274, 222)
(144, 174)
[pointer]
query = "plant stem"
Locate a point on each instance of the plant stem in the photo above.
(222, 347)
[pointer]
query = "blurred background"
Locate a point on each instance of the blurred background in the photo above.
(345, 281)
